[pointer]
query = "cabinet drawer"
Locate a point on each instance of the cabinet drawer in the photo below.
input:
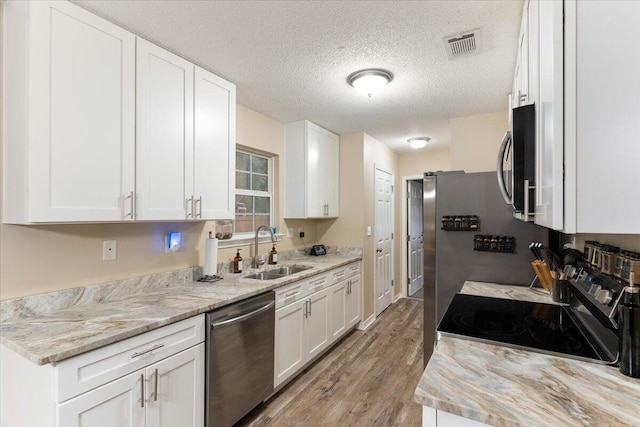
(353, 269)
(290, 293)
(90, 370)
(339, 275)
(318, 283)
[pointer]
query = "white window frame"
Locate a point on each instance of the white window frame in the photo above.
(269, 193)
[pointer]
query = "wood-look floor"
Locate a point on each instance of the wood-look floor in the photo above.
(419, 294)
(367, 379)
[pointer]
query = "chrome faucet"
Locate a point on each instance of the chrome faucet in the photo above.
(256, 259)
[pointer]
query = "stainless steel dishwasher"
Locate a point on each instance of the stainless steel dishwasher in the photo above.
(239, 359)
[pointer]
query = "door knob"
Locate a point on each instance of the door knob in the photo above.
(378, 250)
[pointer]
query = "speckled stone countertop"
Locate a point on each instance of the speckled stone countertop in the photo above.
(503, 386)
(52, 327)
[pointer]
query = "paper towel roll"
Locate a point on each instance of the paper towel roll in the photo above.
(210, 267)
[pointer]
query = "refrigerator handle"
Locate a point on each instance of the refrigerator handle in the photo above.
(500, 169)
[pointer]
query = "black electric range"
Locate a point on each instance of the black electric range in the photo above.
(582, 330)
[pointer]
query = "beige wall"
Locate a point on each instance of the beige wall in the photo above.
(475, 141)
(45, 258)
(416, 163)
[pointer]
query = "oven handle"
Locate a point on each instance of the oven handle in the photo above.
(500, 169)
(242, 317)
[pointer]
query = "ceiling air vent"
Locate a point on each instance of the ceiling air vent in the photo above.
(462, 44)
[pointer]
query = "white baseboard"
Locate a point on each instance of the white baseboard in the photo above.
(396, 297)
(366, 323)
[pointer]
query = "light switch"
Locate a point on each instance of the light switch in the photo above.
(368, 230)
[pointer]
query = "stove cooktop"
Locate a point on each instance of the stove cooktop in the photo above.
(544, 328)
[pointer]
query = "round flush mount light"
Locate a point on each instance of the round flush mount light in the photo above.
(370, 81)
(418, 142)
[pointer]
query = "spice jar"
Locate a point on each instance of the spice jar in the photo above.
(473, 222)
(619, 260)
(445, 222)
(508, 244)
(633, 267)
(478, 241)
(608, 257)
(589, 246)
(486, 243)
(465, 223)
(457, 223)
(596, 259)
(494, 243)
(502, 243)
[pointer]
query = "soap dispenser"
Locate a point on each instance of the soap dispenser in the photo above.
(237, 262)
(273, 256)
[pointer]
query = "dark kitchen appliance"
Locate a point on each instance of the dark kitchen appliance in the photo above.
(586, 329)
(450, 258)
(516, 162)
(317, 250)
(239, 359)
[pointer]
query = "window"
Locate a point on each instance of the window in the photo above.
(254, 200)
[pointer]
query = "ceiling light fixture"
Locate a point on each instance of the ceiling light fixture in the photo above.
(370, 81)
(418, 142)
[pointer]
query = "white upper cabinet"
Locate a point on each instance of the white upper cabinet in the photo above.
(214, 150)
(311, 175)
(588, 116)
(68, 115)
(549, 117)
(164, 130)
(101, 126)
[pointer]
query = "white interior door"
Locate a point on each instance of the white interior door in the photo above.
(384, 239)
(415, 226)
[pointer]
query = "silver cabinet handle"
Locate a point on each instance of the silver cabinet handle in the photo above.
(142, 390)
(155, 386)
(131, 205)
(290, 294)
(309, 307)
(198, 203)
(190, 209)
(155, 347)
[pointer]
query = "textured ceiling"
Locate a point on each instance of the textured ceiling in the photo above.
(290, 59)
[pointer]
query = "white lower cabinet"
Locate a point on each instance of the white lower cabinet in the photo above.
(319, 313)
(150, 380)
(167, 393)
(115, 404)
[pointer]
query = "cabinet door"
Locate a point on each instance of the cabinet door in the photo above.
(164, 129)
(81, 115)
(338, 310)
(331, 175)
(214, 154)
(289, 341)
(607, 109)
(175, 390)
(549, 115)
(353, 302)
(317, 333)
(316, 184)
(118, 403)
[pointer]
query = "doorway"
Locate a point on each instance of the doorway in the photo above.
(383, 239)
(415, 239)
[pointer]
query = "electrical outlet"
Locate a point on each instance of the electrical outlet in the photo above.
(300, 232)
(109, 250)
(289, 232)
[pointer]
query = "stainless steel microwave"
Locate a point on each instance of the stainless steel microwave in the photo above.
(516, 162)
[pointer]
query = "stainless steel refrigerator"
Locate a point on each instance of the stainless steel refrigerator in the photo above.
(449, 256)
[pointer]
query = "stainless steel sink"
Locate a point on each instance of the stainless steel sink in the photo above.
(264, 275)
(290, 269)
(278, 273)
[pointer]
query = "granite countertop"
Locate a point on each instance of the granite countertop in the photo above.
(503, 386)
(92, 317)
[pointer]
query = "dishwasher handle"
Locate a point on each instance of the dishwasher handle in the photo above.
(242, 317)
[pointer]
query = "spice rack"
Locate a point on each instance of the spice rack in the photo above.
(460, 223)
(493, 243)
